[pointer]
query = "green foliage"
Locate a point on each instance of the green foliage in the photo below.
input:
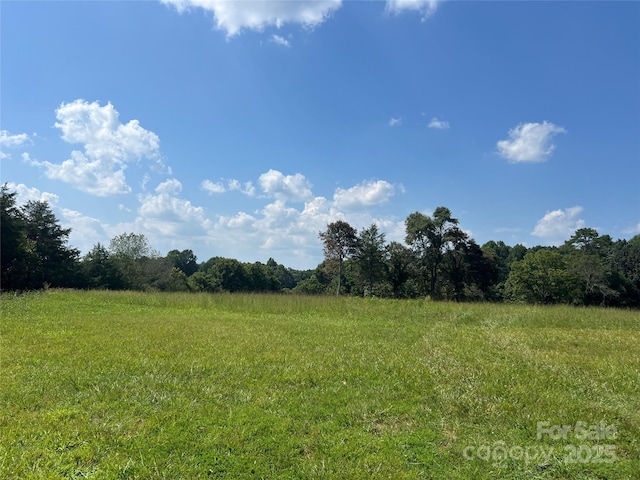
(34, 250)
(132, 246)
(285, 277)
(100, 271)
(201, 282)
(13, 242)
(185, 261)
(431, 238)
(370, 259)
(441, 262)
(339, 242)
(400, 269)
(140, 385)
(312, 286)
(541, 277)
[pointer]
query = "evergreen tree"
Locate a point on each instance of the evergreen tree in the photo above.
(369, 256)
(51, 262)
(15, 252)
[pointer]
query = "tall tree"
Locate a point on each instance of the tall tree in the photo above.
(400, 262)
(369, 255)
(625, 278)
(339, 242)
(454, 263)
(430, 238)
(481, 273)
(13, 242)
(128, 251)
(55, 264)
(587, 255)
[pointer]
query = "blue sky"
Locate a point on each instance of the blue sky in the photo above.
(241, 128)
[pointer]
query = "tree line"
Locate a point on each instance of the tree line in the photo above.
(438, 260)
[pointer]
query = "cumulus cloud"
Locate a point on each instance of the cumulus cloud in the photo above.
(85, 231)
(108, 147)
(558, 225)
(166, 214)
(169, 187)
(366, 194)
(241, 220)
(26, 194)
(394, 122)
(529, 142)
(426, 8)
(438, 124)
(233, 17)
(277, 227)
(285, 187)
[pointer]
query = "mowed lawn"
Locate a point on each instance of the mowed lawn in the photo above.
(133, 385)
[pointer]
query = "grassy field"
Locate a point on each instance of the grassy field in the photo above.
(131, 385)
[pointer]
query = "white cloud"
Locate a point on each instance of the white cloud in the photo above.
(86, 231)
(290, 233)
(278, 40)
(366, 194)
(285, 187)
(426, 8)
(394, 122)
(108, 147)
(559, 225)
(234, 16)
(26, 158)
(169, 187)
(529, 142)
(211, 187)
(97, 177)
(439, 124)
(7, 140)
(276, 228)
(167, 214)
(247, 188)
(241, 220)
(26, 194)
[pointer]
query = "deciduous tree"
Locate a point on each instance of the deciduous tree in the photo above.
(430, 238)
(339, 242)
(541, 277)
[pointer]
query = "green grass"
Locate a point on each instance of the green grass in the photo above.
(132, 385)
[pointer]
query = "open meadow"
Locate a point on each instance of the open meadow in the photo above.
(140, 385)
